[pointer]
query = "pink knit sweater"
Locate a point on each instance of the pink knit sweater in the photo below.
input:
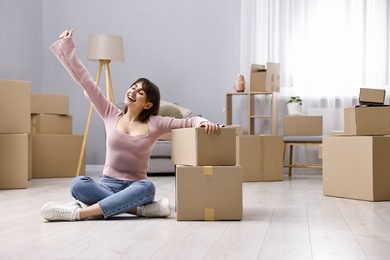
(127, 157)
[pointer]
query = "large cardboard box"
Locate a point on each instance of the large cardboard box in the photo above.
(49, 104)
(367, 120)
(193, 146)
(209, 192)
(303, 125)
(265, 79)
(371, 96)
(261, 157)
(15, 107)
(13, 161)
(56, 155)
(357, 167)
(51, 124)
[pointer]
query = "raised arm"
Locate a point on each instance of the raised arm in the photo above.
(65, 51)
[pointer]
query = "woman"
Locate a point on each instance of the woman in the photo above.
(131, 134)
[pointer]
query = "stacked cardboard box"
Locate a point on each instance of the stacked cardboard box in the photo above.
(265, 79)
(55, 150)
(261, 157)
(208, 181)
(355, 161)
(14, 133)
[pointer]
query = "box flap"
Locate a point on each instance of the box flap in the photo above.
(257, 67)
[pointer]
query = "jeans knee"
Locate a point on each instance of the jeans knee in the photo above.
(148, 186)
(78, 183)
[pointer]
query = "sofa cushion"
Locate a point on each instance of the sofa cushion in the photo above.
(161, 165)
(169, 109)
(162, 149)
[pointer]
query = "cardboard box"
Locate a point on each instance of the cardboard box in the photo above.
(51, 124)
(367, 120)
(370, 96)
(56, 156)
(264, 79)
(49, 104)
(209, 192)
(193, 146)
(357, 167)
(13, 161)
(303, 125)
(15, 107)
(237, 127)
(261, 157)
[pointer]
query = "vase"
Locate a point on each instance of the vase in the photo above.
(294, 109)
(239, 83)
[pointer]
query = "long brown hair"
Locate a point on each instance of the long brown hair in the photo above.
(152, 95)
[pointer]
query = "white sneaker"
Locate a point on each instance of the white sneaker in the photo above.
(157, 209)
(76, 203)
(55, 211)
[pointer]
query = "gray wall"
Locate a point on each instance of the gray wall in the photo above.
(190, 49)
(21, 41)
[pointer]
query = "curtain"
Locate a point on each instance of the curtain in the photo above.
(328, 50)
(327, 47)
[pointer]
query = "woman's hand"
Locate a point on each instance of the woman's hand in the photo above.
(209, 127)
(66, 34)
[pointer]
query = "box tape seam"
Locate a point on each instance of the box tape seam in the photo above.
(208, 170)
(209, 214)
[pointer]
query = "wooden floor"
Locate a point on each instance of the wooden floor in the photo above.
(289, 219)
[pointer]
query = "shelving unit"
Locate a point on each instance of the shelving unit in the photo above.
(251, 110)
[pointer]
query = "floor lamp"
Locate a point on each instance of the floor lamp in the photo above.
(102, 48)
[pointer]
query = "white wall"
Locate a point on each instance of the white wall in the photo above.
(190, 49)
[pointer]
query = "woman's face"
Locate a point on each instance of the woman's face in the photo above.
(136, 97)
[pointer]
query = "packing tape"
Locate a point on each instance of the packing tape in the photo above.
(208, 170)
(34, 125)
(209, 214)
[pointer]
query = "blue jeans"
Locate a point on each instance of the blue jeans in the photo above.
(114, 196)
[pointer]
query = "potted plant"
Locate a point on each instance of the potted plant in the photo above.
(294, 105)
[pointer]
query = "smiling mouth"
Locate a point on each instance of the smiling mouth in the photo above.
(130, 98)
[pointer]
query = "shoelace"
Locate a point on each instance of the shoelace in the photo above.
(65, 213)
(152, 209)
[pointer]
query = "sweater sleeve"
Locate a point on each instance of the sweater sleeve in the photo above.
(164, 124)
(65, 51)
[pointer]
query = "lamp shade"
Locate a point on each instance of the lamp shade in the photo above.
(105, 47)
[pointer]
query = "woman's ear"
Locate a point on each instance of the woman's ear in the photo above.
(148, 105)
